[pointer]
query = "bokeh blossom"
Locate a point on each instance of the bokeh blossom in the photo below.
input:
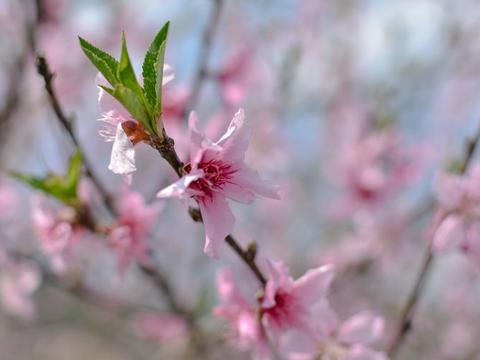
(128, 235)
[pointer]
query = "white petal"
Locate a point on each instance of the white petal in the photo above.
(178, 188)
(122, 160)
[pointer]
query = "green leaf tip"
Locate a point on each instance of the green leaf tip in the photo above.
(104, 62)
(143, 103)
(63, 188)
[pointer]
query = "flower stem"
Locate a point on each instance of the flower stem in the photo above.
(409, 308)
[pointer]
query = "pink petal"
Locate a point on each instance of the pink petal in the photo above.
(363, 328)
(179, 188)
(314, 284)
(219, 222)
(122, 160)
(326, 321)
(198, 140)
(278, 278)
(227, 289)
(238, 193)
(248, 326)
(249, 179)
(236, 139)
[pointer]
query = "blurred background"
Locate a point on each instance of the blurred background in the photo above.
(356, 106)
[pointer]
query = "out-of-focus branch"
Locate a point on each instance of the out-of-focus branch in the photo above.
(67, 123)
(201, 72)
(14, 82)
(151, 273)
(408, 310)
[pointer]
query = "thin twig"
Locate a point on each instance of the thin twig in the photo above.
(14, 82)
(67, 123)
(201, 72)
(150, 272)
(408, 311)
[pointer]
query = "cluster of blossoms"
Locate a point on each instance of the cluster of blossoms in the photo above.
(294, 318)
(59, 231)
(287, 309)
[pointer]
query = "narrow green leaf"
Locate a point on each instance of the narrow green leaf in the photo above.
(152, 69)
(52, 185)
(103, 61)
(73, 173)
(159, 63)
(126, 74)
(135, 106)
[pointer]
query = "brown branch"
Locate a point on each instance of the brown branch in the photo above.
(67, 124)
(408, 310)
(166, 146)
(201, 73)
(150, 272)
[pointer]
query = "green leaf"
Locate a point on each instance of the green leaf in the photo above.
(135, 106)
(73, 173)
(103, 61)
(152, 69)
(126, 74)
(62, 188)
(51, 185)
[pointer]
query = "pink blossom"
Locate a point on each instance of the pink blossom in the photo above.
(231, 78)
(121, 129)
(372, 168)
(287, 304)
(128, 235)
(56, 233)
(217, 171)
(458, 220)
(246, 329)
(163, 328)
(18, 281)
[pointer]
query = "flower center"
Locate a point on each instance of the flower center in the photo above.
(281, 314)
(216, 174)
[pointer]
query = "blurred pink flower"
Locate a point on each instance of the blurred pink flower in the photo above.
(56, 233)
(18, 281)
(373, 168)
(128, 235)
(231, 78)
(174, 102)
(287, 304)
(351, 340)
(164, 328)
(217, 171)
(247, 331)
(121, 129)
(458, 220)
